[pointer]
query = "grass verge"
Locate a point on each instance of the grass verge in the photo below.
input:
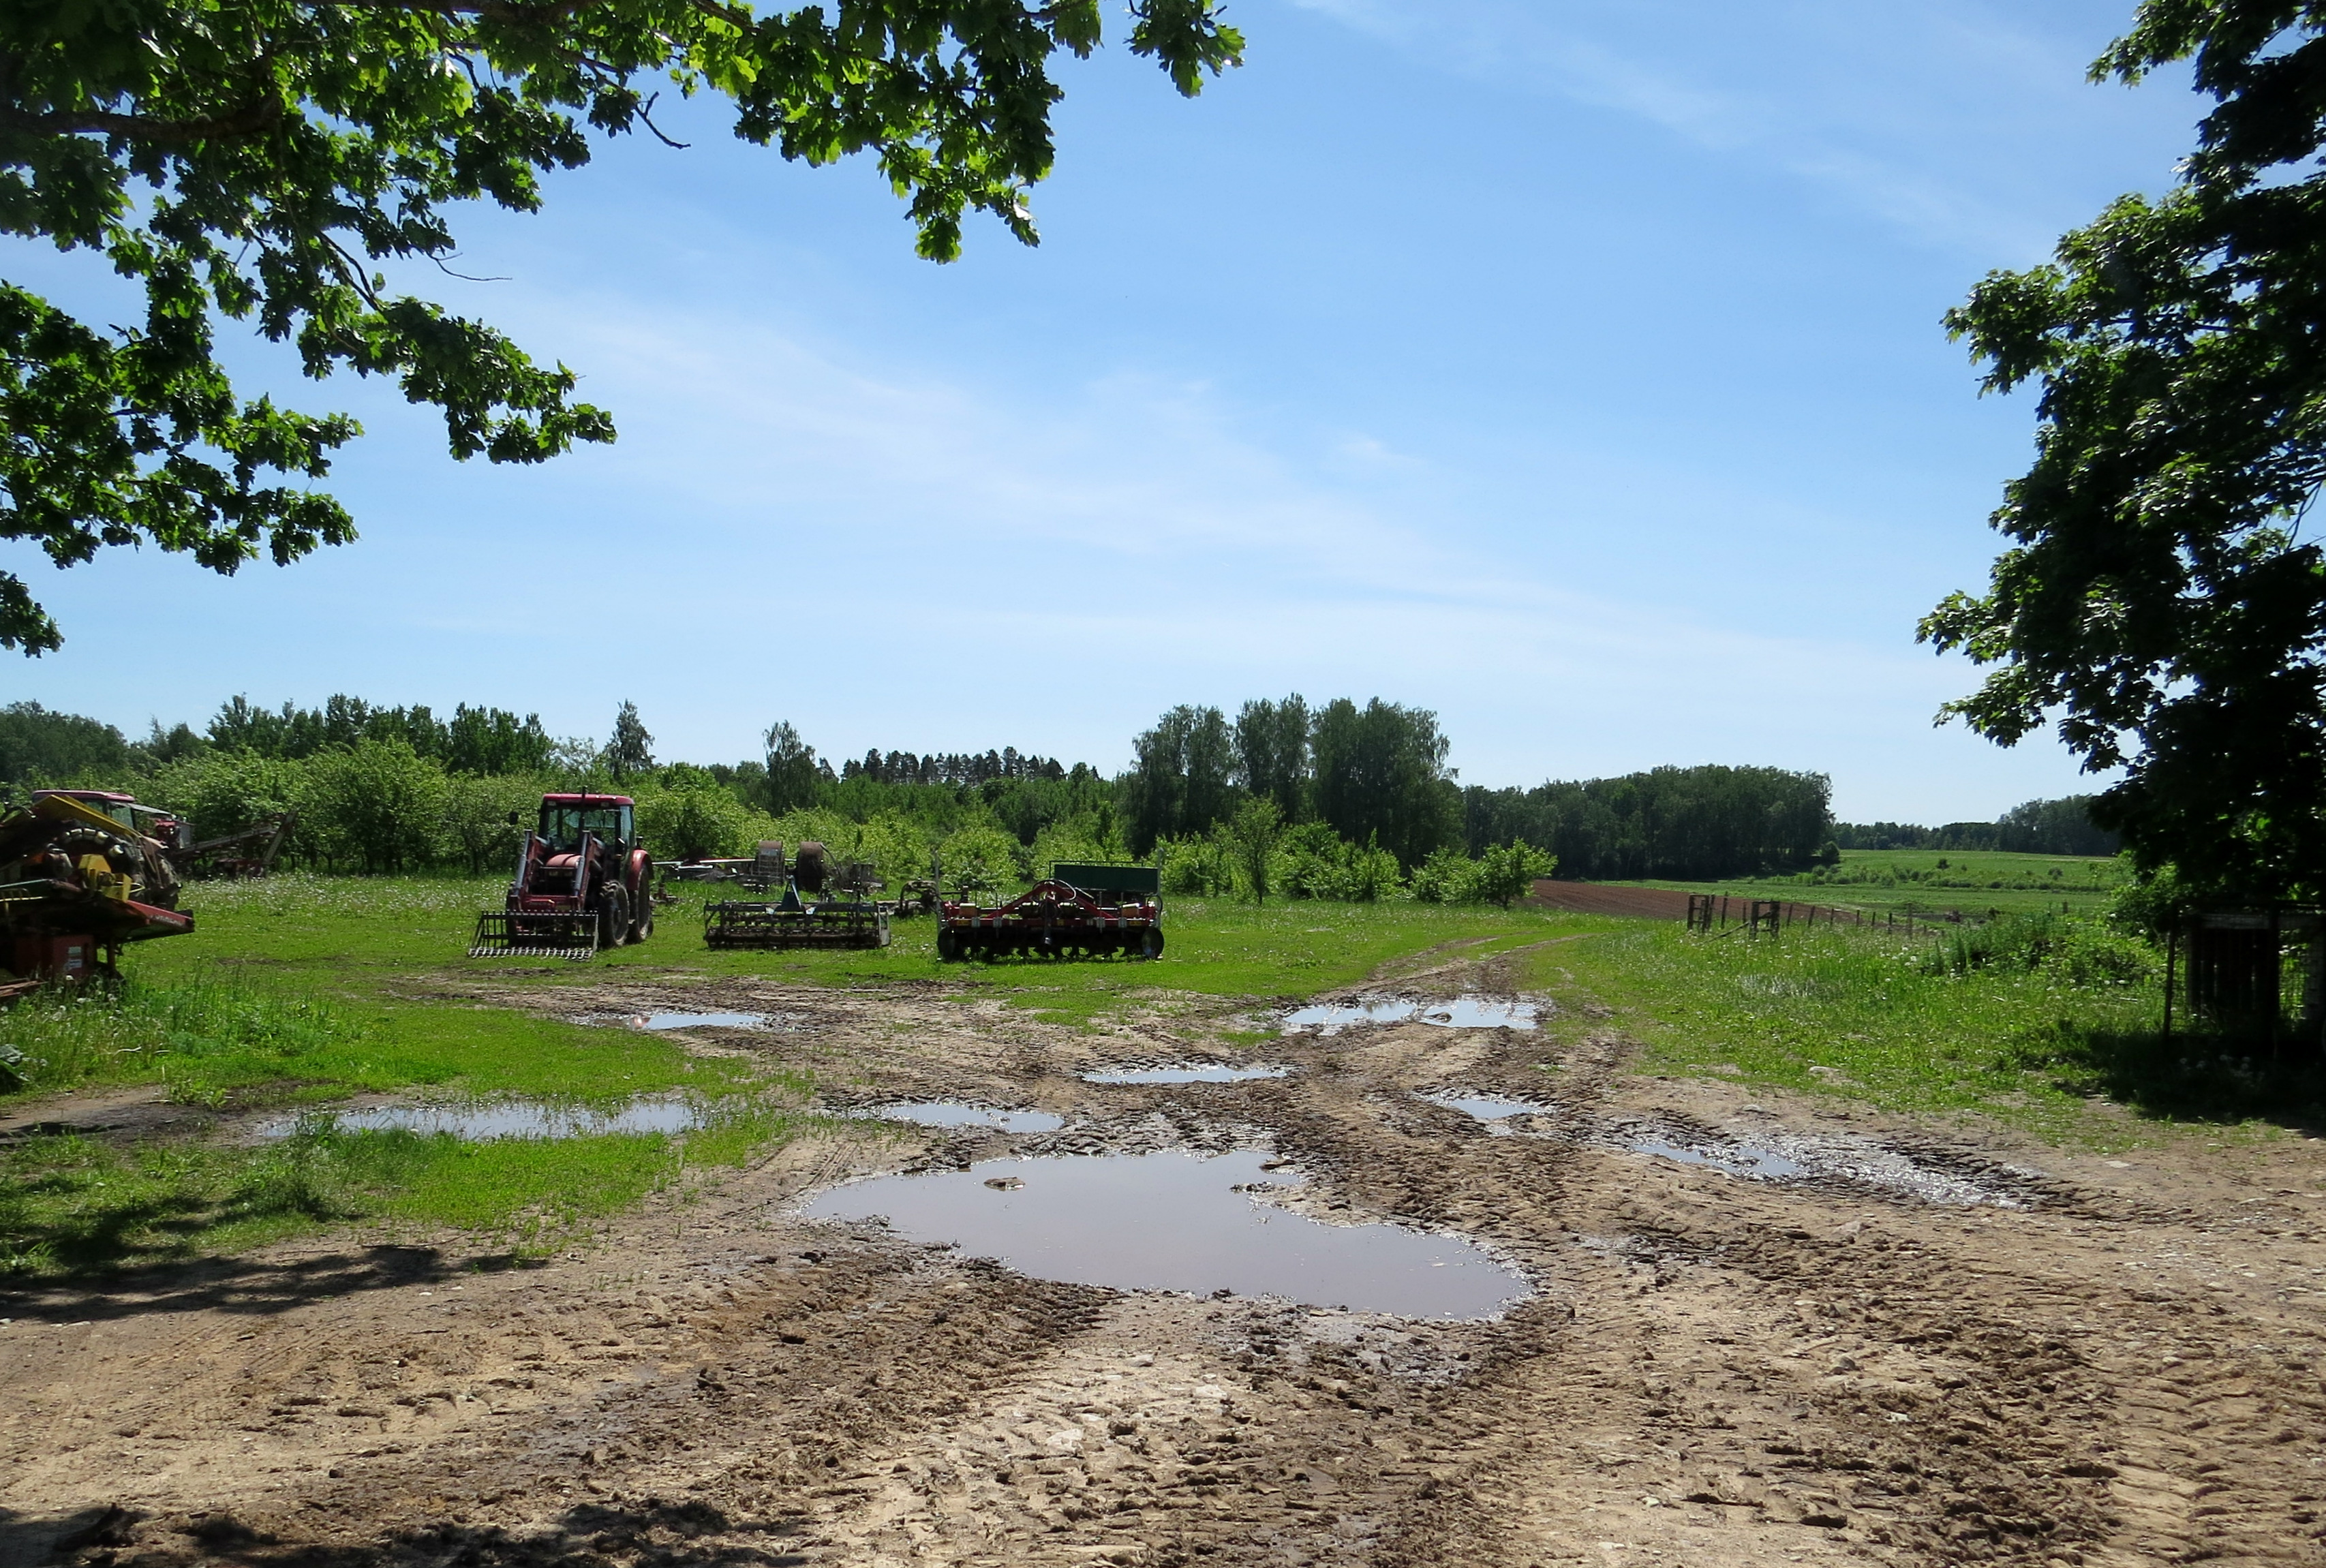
(2031, 1035)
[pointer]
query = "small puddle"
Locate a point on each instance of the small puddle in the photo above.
(954, 1113)
(1489, 1107)
(501, 1119)
(678, 1020)
(1460, 1013)
(1174, 1222)
(1736, 1159)
(1209, 1072)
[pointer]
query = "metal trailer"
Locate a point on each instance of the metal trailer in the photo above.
(1079, 911)
(794, 922)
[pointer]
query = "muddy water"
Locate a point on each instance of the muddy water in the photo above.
(1175, 1221)
(954, 1113)
(503, 1118)
(1460, 1013)
(1736, 1159)
(1488, 1107)
(680, 1020)
(1208, 1073)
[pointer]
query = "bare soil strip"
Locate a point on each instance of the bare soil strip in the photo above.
(2109, 1362)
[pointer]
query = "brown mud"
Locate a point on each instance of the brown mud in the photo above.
(2008, 1353)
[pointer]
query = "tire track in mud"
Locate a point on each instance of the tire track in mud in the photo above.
(1715, 1368)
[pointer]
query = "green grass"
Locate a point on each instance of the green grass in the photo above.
(2032, 1038)
(1973, 881)
(73, 1206)
(300, 991)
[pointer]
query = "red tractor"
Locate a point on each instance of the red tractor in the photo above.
(582, 884)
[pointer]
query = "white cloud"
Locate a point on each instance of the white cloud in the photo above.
(1938, 117)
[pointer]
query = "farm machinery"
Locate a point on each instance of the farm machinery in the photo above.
(78, 881)
(850, 918)
(1080, 910)
(582, 884)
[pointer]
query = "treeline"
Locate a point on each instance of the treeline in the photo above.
(2056, 827)
(1336, 801)
(1374, 775)
(1675, 824)
(902, 767)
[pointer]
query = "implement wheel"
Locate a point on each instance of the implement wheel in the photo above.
(1151, 943)
(949, 945)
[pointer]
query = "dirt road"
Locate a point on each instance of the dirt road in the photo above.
(1762, 1331)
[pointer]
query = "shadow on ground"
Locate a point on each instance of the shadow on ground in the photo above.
(2203, 1077)
(234, 1285)
(652, 1531)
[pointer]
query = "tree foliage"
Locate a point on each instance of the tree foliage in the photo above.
(1380, 777)
(1183, 780)
(630, 752)
(269, 160)
(480, 739)
(1271, 754)
(2157, 599)
(1685, 822)
(1254, 833)
(38, 746)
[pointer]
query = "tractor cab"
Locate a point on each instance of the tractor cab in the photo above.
(611, 819)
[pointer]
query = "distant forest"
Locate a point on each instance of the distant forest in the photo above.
(1363, 801)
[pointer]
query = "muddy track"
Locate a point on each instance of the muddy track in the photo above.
(1926, 1344)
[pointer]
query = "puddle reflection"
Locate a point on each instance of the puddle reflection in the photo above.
(955, 1113)
(1460, 1013)
(678, 1020)
(502, 1118)
(1209, 1072)
(1175, 1221)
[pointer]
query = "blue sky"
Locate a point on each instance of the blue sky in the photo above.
(1571, 369)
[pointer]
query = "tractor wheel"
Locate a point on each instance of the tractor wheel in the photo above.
(613, 916)
(642, 926)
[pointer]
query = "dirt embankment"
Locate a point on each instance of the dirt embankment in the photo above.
(1923, 1344)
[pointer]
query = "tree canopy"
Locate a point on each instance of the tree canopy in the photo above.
(266, 161)
(2158, 600)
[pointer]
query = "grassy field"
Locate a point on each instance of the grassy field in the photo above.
(1973, 881)
(298, 992)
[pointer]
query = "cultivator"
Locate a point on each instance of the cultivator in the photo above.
(1079, 912)
(793, 921)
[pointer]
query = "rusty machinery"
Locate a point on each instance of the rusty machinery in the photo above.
(78, 882)
(1080, 910)
(582, 884)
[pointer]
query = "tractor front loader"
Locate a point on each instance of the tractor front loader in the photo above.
(582, 883)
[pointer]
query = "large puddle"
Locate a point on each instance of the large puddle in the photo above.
(1203, 1072)
(954, 1113)
(1175, 1221)
(679, 1020)
(502, 1118)
(1460, 1013)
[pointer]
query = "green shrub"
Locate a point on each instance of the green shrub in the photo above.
(377, 804)
(696, 822)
